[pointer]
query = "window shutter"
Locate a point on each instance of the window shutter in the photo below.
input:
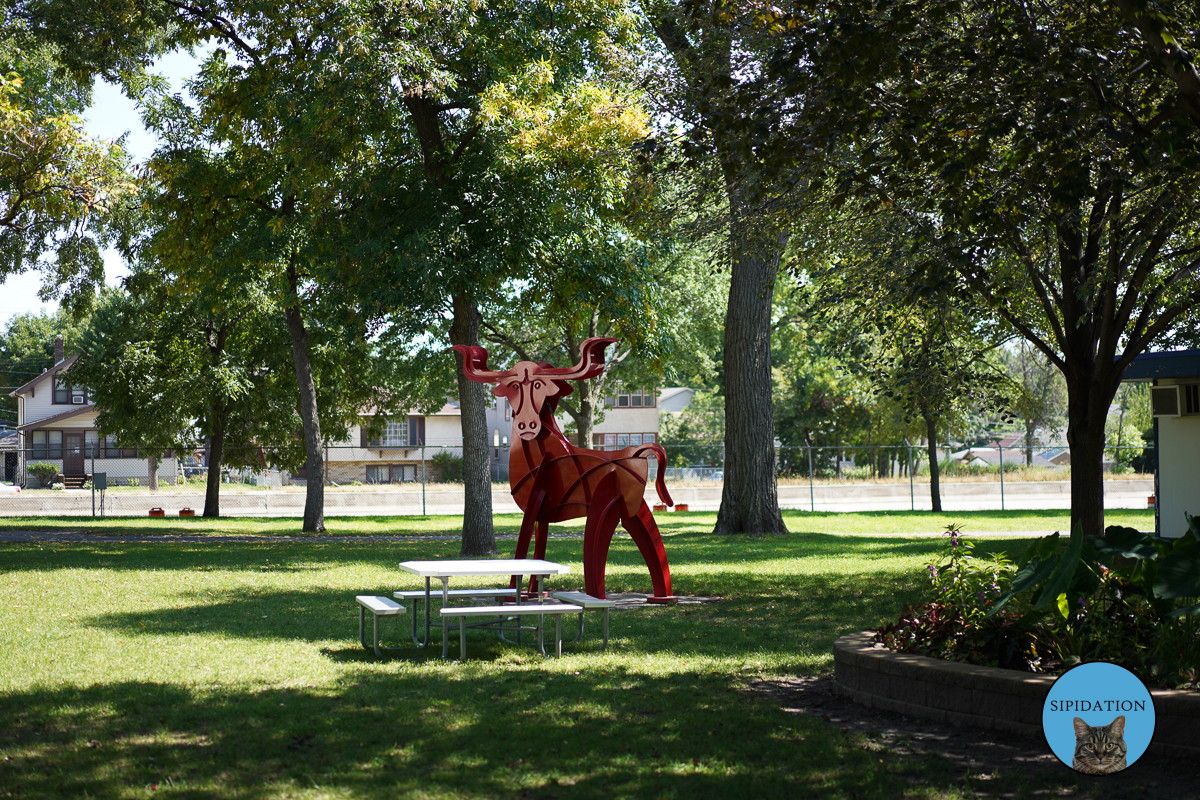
(362, 433)
(416, 431)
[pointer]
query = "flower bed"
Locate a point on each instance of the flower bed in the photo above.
(1125, 597)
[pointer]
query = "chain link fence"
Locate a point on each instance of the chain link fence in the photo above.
(84, 479)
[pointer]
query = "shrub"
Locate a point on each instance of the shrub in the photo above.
(44, 472)
(449, 467)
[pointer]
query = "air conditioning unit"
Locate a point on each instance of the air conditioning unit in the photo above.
(1180, 400)
(1164, 401)
(77, 399)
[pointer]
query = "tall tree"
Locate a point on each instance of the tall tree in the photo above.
(60, 189)
(172, 368)
(507, 106)
(713, 50)
(1057, 148)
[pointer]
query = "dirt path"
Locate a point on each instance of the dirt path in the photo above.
(976, 760)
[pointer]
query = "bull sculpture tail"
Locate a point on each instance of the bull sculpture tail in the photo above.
(660, 484)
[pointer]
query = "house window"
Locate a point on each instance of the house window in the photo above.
(617, 441)
(633, 398)
(46, 444)
(113, 450)
(67, 393)
(395, 433)
(391, 473)
(400, 432)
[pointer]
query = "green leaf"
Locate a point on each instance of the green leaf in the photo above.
(1064, 608)
(1179, 573)
(1028, 576)
(1186, 611)
(1124, 542)
(1060, 578)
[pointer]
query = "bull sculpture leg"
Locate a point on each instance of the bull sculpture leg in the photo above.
(529, 524)
(602, 519)
(644, 532)
(604, 512)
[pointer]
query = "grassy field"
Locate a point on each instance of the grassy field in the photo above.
(209, 670)
(867, 522)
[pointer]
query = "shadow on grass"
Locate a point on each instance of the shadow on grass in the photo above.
(454, 732)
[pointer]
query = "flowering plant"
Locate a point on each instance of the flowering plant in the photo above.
(967, 583)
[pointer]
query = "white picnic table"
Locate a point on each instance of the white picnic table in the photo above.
(463, 568)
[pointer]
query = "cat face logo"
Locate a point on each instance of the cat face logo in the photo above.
(1098, 718)
(1099, 749)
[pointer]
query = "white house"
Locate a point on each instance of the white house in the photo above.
(1175, 404)
(56, 424)
(407, 447)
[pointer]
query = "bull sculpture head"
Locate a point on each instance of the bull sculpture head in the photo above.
(529, 384)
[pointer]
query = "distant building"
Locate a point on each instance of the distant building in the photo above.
(56, 424)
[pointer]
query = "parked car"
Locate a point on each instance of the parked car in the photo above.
(8, 488)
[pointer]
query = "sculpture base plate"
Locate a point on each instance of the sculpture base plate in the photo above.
(662, 600)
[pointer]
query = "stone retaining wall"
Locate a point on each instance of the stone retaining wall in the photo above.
(983, 697)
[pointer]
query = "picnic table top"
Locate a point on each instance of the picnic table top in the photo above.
(484, 566)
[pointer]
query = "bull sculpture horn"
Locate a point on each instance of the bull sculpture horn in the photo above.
(591, 361)
(475, 364)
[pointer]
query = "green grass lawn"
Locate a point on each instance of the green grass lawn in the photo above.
(866, 522)
(233, 671)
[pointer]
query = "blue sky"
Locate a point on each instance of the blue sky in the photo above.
(111, 115)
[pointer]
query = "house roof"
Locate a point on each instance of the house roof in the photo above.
(671, 391)
(1169, 364)
(8, 440)
(59, 367)
(41, 423)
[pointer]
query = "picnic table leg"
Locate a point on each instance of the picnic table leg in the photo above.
(426, 643)
(558, 635)
(518, 602)
(462, 638)
(605, 647)
(446, 602)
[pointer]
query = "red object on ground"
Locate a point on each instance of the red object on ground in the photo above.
(1150, 501)
(553, 480)
(186, 512)
(681, 507)
(157, 512)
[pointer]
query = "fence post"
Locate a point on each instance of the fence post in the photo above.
(1000, 447)
(912, 491)
(422, 479)
(812, 502)
(93, 477)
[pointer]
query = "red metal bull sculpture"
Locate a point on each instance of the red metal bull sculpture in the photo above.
(553, 480)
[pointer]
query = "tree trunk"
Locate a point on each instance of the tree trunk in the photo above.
(314, 463)
(585, 421)
(216, 454)
(478, 536)
(750, 495)
(1029, 442)
(152, 473)
(935, 489)
(1088, 399)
